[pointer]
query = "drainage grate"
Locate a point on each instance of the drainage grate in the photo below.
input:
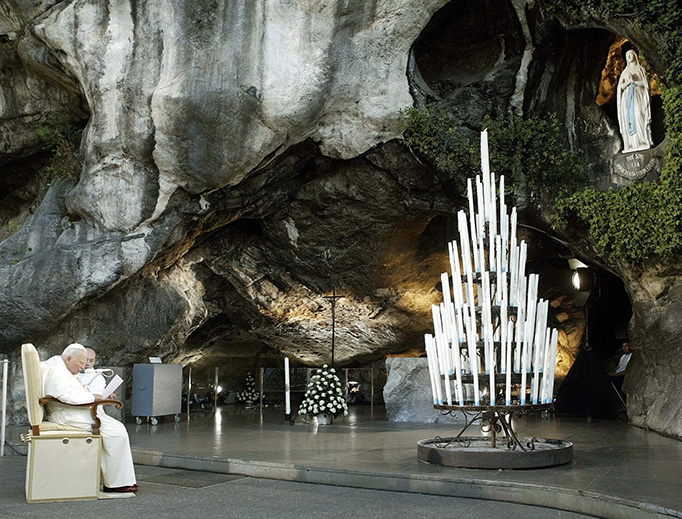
(192, 478)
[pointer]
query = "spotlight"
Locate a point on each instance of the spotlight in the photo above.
(583, 279)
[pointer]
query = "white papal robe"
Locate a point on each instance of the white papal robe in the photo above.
(94, 380)
(59, 382)
(96, 383)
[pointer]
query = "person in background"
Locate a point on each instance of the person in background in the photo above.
(624, 359)
(93, 379)
(618, 375)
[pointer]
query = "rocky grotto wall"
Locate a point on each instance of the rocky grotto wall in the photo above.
(241, 159)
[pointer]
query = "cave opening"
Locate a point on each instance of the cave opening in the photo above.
(467, 60)
(592, 386)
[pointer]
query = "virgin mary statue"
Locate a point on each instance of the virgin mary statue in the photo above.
(634, 106)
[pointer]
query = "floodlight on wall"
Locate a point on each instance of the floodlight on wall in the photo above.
(583, 279)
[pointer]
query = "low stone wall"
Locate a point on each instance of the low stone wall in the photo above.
(407, 392)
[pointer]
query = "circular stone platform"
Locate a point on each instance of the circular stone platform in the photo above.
(479, 454)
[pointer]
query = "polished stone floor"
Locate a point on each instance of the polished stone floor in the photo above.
(617, 470)
(174, 493)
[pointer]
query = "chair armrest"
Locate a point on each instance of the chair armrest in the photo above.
(92, 405)
(110, 401)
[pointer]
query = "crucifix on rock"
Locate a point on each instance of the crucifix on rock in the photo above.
(332, 298)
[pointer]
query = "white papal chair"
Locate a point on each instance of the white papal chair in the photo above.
(63, 462)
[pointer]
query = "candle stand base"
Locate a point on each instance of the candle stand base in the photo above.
(501, 449)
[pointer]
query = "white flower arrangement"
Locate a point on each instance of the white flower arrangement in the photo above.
(324, 395)
(249, 392)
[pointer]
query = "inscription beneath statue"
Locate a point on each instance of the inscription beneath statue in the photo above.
(639, 166)
(635, 166)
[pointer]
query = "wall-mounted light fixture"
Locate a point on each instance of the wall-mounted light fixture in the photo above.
(583, 279)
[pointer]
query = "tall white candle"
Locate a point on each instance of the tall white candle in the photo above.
(507, 394)
(498, 259)
(456, 273)
(546, 369)
(521, 291)
(552, 365)
(528, 338)
(505, 244)
(542, 328)
(513, 272)
(455, 352)
(473, 357)
(441, 349)
(538, 345)
(287, 389)
(503, 209)
(524, 374)
(503, 334)
(481, 250)
(512, 238)
(443, 336)
(485, 318)
(457, 288)
(518, 335)
(433, 369)
(445, 286)
(505, 289)
(485, 172)
(435, 310)
(492, 264)
(472, 222)
(480, 217)
(504, 227)
(485, 159)
(493, 207)
(464, 242)
(531, 308)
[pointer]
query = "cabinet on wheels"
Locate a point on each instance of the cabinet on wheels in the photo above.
(157, 391)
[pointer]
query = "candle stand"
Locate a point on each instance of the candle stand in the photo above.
(492, 355)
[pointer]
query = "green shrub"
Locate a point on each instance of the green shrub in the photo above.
(530, 152)
(62, 139)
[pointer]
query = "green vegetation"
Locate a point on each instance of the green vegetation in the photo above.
(530, 152)
(62, 139)
(20, 253)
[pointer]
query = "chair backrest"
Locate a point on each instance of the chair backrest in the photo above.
(33, 382)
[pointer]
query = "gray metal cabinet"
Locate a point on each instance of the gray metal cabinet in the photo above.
(157, 391)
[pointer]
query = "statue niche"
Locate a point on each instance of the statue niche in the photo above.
(634, 106)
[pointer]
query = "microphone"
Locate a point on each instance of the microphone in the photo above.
(105, 372)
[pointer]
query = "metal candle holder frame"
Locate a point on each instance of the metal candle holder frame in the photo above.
(494, 415)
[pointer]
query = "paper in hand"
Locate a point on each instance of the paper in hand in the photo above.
(112, 386)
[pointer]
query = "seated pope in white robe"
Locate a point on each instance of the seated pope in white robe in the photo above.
(61, 381)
